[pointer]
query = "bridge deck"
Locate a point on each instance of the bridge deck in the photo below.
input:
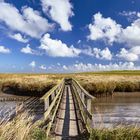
(66, 123)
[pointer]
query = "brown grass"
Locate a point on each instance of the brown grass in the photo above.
(102, 83)
(22, 128)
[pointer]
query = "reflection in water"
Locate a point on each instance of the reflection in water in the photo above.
(121, 109)
(7, 110)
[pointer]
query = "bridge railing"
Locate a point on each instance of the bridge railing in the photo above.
(84, 100)
(51, 103)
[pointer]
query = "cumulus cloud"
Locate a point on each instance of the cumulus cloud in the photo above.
(27, 50)
(59, 11)
(107, 29)
(131, 34)
(82, 67)
(33, 64)
(98, 53)
(27, 21)
(103, 28)
(19, 37)
(57, 48)
(132, 54)
(4, 50)
(43, 67)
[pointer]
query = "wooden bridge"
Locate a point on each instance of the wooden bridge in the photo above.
(67, 109)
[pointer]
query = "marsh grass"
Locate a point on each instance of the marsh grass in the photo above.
(96, 83)
(102, 85)
(35, 85)
(119, 133)
(22, 128)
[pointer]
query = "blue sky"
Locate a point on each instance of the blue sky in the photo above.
(69, 35)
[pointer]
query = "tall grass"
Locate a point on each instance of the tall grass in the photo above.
(98, 85)
(121, 133)
(22, 128)
(107, 88)
(35, 85)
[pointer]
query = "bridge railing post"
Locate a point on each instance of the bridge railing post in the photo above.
(89, 105)
(46, 106)
(53, 95)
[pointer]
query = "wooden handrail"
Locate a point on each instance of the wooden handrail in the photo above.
(84, 91)
(55, 111)
(51, 91)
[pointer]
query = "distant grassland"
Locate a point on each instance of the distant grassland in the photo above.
(96, 83)
(117, 72)
(103, 83)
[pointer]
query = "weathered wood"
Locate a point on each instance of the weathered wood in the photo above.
(53, 98)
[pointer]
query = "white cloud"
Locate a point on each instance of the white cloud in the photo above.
(103, 28)
(131, 34)
(132, 54)
(57, 48)
(4, 50)
(65, 67)
(131, 15)
(33, 64)
(27, 50)
(81, 67)
(43, 67)
(98, 53)
(60, 11)
(107, 29)
(29, 22)
(19, 37)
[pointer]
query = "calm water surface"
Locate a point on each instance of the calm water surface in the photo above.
(121, 109)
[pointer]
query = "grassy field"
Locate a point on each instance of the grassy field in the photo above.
(96, 83)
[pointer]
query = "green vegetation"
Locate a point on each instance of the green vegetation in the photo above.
(120, 133)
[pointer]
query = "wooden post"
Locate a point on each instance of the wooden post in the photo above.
(46, 104)
(89, 105)
(53, 95)
(83, 97)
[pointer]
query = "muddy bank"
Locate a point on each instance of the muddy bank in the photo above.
(11, 97)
